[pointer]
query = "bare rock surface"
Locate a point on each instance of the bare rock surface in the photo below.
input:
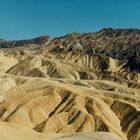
(75, 87)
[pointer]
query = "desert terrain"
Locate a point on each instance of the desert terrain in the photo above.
(81, 86)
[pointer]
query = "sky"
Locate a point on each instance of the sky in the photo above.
(23, 19)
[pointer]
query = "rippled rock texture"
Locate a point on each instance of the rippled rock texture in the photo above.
(79, 86)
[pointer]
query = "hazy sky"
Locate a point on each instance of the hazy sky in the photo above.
(20, 19)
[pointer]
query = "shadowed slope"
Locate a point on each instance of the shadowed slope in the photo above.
(80, 86)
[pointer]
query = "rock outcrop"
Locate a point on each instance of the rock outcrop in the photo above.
(79, 86)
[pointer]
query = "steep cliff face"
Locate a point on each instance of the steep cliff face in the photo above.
(76, 83)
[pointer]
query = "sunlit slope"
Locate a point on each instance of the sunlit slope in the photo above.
(70, 90)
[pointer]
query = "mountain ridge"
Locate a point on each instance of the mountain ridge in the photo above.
(78, 86)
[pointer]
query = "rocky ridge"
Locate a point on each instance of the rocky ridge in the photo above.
(81, 84)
